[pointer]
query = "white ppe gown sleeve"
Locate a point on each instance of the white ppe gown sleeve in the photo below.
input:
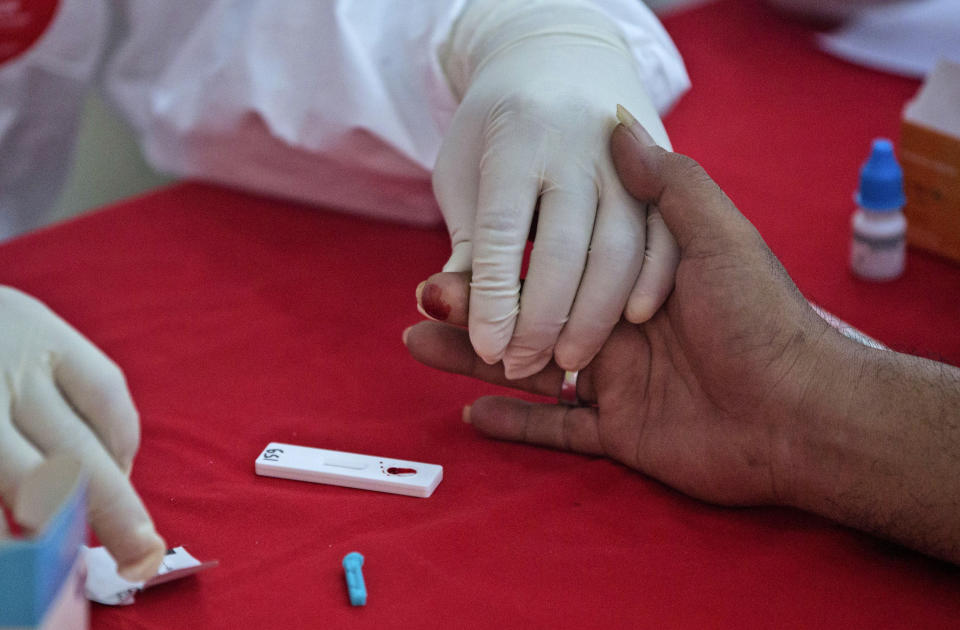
(41, 97)
(338, 103)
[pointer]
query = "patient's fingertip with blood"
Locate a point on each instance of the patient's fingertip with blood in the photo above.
(432, 303)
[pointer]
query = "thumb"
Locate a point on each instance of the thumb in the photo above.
(692, 205)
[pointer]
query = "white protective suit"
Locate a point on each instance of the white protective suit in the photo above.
(337, 103)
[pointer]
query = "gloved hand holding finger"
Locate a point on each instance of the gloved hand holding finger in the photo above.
(683, 397)
(60, 394)
(537, 80)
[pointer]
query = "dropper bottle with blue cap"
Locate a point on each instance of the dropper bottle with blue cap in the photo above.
(878, 251)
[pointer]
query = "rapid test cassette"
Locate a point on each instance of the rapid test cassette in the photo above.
(366, 472)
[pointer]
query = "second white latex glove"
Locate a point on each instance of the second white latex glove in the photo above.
(539, 82)
(59, 394)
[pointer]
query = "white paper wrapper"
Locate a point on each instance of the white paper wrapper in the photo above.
(105, 586)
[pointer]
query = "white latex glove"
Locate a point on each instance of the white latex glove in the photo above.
(60, 394)
(539, 81)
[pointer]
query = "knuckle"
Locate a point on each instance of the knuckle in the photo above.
(499, 224)
(683, 165)
(687, 170)
(550, 98)
(521, 106)
(531, 115)
(492, 279)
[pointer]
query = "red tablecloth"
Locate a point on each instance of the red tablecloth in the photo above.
(241, 320)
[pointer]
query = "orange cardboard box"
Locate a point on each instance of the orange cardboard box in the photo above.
(930, 158)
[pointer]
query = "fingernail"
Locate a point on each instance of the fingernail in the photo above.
(420, 302)
(423, 312)
(465, 416)
(406, 332)
(624, 116)
(431, 304)
(634, 127)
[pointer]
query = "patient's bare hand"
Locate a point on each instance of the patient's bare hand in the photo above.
(736, 392)
(700, 396)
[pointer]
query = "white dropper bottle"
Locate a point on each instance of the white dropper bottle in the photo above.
(878, 250)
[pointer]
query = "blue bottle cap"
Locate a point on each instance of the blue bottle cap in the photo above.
(881, 180)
